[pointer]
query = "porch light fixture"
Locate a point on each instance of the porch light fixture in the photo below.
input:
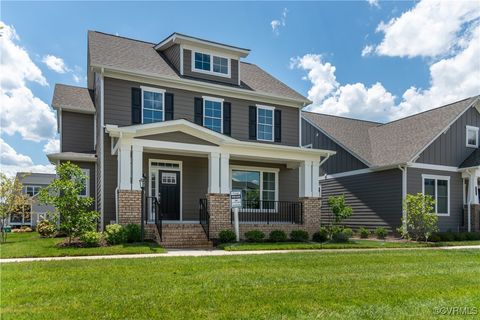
(142, 182)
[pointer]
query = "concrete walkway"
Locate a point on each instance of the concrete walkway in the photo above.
(211, 253)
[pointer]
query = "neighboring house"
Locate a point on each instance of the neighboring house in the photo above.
(35, 211)
(376, 165)
(197, 121)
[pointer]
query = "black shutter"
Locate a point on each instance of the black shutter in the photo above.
(227, 116)
(168, 106)
(278, 126)
(136, 105)
(199, 111)
(252, 123)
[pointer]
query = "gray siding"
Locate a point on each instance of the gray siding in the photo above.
(99, 139)
(450, 149)
(414, 186)
(173, 56)
(110, 182)
(177, 136)
(187, 70)
(77, 132)
(376, 198)
(342, 161)
(118, 110)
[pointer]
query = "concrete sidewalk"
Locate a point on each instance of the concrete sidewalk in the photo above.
(211, 253)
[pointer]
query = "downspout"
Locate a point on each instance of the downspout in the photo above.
(404, 195)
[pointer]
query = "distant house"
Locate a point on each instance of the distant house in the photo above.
(376, 165)
(32, 183)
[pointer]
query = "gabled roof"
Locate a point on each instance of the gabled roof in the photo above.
(129, 55)
(473, 160)
(393, 143)
(72, 98)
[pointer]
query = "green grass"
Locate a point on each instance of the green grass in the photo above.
(22, 245)
(401, 284)
(360, 244)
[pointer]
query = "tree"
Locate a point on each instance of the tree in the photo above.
(12, 200)
(76, 216)
(421, 220)
(339, 208)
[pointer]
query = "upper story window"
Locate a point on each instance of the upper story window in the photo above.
(208, 63)
(153, 101)
(472, 137)
(438, 187)
(265, 123)
(86, 189)
(213, 114)
(32, 190)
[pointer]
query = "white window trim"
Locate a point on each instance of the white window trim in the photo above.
(211, 72)
(214, 99)
(273, 122)
(471, 128)
(87, 182)
(261, 170)
(35, 188)
(435, 177)
(157, 90)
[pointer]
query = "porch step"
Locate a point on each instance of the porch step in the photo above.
(182, 235)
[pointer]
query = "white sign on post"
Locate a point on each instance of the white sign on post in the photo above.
(236, 203)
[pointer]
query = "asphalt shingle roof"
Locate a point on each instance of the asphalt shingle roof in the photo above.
(392, 143)
(473, 160)
(72, 98)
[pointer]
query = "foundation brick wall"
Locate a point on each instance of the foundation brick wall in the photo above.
(311, 214)
(475, 217)
(129, 206)
(219, 210)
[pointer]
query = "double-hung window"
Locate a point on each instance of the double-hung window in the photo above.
(259, 187)
(265, 123)
(153, 105)
(438, 187)
(85, 192)
(472, 137)
(213, 114)
(209, 63)
(202, 61)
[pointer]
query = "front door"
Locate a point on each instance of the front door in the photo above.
(169, 194)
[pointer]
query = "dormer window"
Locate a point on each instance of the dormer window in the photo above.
(472, 137)
(209, 63)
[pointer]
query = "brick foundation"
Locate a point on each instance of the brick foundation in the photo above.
(129, 206)
(312, 208)
(219, 210)
(475, 217)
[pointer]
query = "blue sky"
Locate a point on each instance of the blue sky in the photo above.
(315, 47)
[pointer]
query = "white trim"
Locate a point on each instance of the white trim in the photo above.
(155, 90)
(72, 156)
(213, 99)
(433, 167)
(273, 121)
(102, 152)
(346, 174)
(475, 129)
(436, 178)
(211, 72)
(157, 168)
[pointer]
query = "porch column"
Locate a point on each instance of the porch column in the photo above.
(124, 164)
(137, 166)
(315, 177)
(214, 172)
(225, 173)
(306, 179)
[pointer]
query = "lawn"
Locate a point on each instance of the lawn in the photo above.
(30, 244)
(401, 284)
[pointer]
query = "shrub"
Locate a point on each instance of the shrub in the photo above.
(226, 236)
(91, 238)
(134, 233)
(299, 236)
(364, 233)
(339, 237)
(461, 236)
(348, 232)
(448, 236)
(435, 237)
(278, 236)
(421, 220)
(46, 228)
(473, 236)
(381, 233)
(254, 236)
(321, 235)
(339, 208)
(22, 229)
(115, 234)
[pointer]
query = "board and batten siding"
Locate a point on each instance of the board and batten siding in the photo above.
(187, 70)
(375, 197)
(173, 56)
(118, 110)
(77, 132)
(342, 161)
(450, 149)
(415, 185)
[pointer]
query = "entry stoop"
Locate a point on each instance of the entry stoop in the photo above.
(184, 235)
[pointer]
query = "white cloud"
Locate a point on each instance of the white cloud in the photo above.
(374, 3)
(52, 146)
(277, 23)
(12, 162)
(367, 50)
(431, 28)
(55, 63)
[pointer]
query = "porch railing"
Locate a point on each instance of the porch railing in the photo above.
(266, 211)
(154, 213)
(204, 217)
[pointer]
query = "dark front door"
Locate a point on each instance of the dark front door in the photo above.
(169, 194)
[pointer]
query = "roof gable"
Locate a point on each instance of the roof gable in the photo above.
(75, 99)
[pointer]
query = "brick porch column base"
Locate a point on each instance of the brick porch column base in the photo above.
(129, 206)
(219, 210)
(311, 213)
(475, 218)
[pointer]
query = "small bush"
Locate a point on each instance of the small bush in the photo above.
(278, 236)
(452, 236)
(321, 235)
(115, 234)
(91, 238)
(299, 236)
(46, 228)
(364, 233)
(340, 237)
(448, 236)
(226, 236)
(461, 236)
(348, 232)
(473, 236)
(254, 236)
(134, 233)
(381, 233)
(435, 237)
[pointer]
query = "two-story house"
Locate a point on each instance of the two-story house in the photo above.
(197, 121)
(434, 152)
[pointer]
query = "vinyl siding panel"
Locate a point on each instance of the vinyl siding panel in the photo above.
(414, 186)
(177, 136)
(376, 198)
(77, 132)
(187, 70)
(173, 56)
(450, 148)
(110, 182)
(342, 161)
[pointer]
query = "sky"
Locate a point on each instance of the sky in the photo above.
(366, 59)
